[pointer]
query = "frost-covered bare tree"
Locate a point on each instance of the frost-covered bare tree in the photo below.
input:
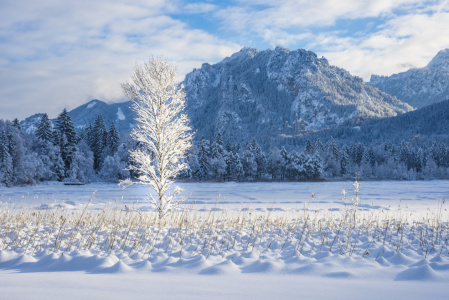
(162, 131)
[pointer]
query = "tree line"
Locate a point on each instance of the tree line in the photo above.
(211, 159)
(60, 153)
(97, 153)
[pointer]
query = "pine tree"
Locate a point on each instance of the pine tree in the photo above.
(219, 141)
(217, 160)
(203, 159)
(309, 148)
(260, 159)
(315, 165)
(4, 153)
(237, 167)
(64, 125)
(66, 138)
(16, 124)
(98, 141)
(249, 162)
(113, 138)
(344, 161)
(89, 135)
(295, 166)
(6, 165)
(44, 131)
(318, 147)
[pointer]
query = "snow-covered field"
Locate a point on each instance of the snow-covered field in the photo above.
(235, 196)
(240, 240)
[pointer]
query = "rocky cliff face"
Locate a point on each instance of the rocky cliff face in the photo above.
(259, 93)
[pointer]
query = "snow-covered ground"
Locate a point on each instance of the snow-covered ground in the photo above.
(275, 263)
(235, 196)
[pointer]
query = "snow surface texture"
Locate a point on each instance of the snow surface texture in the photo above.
(269, 258)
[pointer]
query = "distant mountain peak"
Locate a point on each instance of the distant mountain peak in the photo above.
(244, 53)
(419, 87)
(441, 59)
(282, 49)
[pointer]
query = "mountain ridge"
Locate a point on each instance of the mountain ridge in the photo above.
(261, 92)
(265, 94)
(418, 87)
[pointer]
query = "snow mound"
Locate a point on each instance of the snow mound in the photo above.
(424, 273)
(225, 268)
(400, 259)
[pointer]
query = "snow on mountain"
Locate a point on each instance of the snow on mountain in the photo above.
(264, 94)
(29, 125)
(118, 113)
(419, 87)
(91, 104)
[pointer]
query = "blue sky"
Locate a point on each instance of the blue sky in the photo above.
(60, 54)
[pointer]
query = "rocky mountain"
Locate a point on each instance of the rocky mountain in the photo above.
(267, 94)
(419, 87)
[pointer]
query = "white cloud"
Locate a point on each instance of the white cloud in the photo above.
(61, 54)
(256, 16)
(57, 54)
(199, 8)
(402, 42)
(401, 33)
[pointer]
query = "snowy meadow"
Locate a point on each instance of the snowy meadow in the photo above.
(269, 235)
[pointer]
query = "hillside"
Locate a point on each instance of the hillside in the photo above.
(259, 94)
(428, 123)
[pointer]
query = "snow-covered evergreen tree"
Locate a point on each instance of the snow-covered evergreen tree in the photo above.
(65, 136)
(237, 167)
(44, 131)
(64, 125)
(113, 139)
(203, 160)
(16, 123)
(260, 159)
(309, 149)
(344, 161)
(98, 139)
(249, 162)
(6, 166)
(217, 160)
